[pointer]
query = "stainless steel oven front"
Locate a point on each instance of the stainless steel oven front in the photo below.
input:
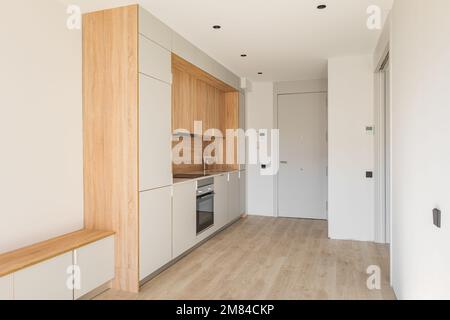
(205, 204)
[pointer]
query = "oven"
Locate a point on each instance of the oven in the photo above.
(205, 204)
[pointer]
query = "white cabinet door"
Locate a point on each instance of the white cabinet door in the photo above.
(243, 191)
(184, 217)
(154, 29)
(155, 134)
(154, 60)
(6, 288)
(155, 230)
(221, 201)
(242, 125)
(96, 265)
(48, 280)
(234, 203)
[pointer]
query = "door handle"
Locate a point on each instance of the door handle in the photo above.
(283, 162)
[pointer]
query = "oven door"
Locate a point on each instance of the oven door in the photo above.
(205, 212)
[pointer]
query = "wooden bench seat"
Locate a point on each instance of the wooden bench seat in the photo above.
(14, 261)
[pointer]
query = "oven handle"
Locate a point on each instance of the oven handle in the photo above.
(209, 195)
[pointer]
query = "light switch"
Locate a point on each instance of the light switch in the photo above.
(437, 217)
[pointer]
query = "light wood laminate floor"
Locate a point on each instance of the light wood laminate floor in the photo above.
(271, 258)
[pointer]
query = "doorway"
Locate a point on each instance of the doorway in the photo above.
(302, 179)
(384, 153)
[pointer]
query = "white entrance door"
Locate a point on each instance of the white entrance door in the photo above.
(302, 181)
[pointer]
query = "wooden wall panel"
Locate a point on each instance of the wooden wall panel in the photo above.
(198, 96)
(110, 116)
(183, 86)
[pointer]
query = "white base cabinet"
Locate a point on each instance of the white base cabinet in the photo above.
(221, 201)
(6, 288)
(184, 217)
(234, 203)
(66, 277)
(48, 280)
(155, 230)
(95, 262)
(243, 191)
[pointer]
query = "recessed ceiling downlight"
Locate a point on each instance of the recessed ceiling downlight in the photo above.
(322, 6)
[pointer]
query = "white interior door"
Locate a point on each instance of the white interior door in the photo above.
(302, 181)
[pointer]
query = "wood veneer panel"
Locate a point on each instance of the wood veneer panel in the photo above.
(183, 65)
(110, 120)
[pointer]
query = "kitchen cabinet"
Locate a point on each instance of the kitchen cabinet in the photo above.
(153, 29)
(243, 191)
(184, 217)
(96, 265)
(127, 125)
(234, 204)
(127, 128)
(154, 61)
(155, 133)
(242, 149)
(221, 201)
(45, 281)
(155, 230)
(6, 288)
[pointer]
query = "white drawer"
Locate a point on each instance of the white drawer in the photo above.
(96, 265)
(6, 288)
(154, 60)
(45, 281)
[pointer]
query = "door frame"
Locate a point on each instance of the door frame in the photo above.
(290, 88)
(383, 175)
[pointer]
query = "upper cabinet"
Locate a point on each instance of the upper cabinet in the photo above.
(154, 133)
(154, 60)
(153, 29)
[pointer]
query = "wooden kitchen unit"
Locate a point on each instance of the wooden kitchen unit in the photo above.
(139, 84)
(198, 96)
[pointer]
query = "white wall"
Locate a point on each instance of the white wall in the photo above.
(40, 124)
(351, 154)
(260, 115)
(421, 154)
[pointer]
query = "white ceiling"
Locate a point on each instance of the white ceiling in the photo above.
(285, 39)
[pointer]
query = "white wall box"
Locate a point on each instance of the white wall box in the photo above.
(6, 288)
(184, 217)
(96, 263)
(234, 203)
(155, 230)
(155, 133)
(154, 60)
(45, 281)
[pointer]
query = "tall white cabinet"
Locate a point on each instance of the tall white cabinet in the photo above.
(155, 136)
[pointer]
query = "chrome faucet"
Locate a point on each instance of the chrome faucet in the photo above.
(207, 161)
